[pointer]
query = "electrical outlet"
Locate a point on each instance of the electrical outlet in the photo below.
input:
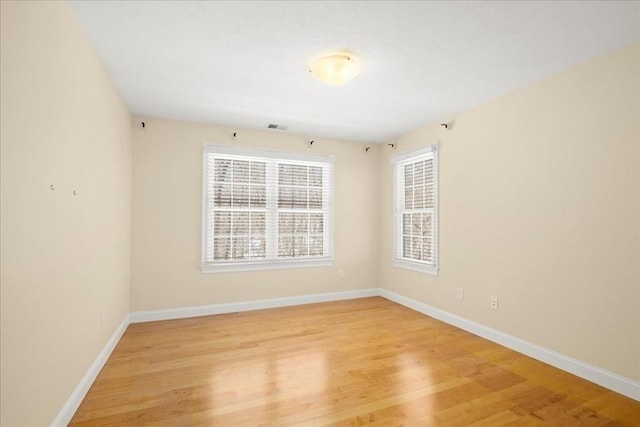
(494, 303)
(460, 294)
(341, 274)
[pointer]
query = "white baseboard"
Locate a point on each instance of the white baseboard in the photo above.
(73, 402)
(208, 310)
(607, 379)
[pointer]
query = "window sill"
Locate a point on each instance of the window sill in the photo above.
(416, 266)
(265, 265)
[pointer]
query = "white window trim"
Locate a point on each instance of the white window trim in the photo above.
(255, 265)
(397, 237)
(266, 265)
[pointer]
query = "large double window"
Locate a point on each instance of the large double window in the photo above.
(265, 209)
(416, 210)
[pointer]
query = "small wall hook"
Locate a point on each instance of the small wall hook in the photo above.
(392, 145)
(366, 149)
(310, 143)
(52, 187)
(234, 135)
(445, 125)
(143, 125)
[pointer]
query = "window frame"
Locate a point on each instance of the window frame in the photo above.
(398, 163)
(272, 157)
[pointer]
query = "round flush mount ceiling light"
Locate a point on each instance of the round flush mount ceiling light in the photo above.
(335, 68)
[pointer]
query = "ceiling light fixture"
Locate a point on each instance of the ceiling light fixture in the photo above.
(335, 68)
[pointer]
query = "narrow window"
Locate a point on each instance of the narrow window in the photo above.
(416, 210)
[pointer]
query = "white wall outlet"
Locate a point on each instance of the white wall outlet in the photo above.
(494, 303)
(460, 294)
(341, 274)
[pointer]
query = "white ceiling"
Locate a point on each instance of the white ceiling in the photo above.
(244, 63)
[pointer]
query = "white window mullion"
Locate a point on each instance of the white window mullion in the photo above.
(272, 210)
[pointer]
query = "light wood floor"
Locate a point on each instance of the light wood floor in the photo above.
(365, 361)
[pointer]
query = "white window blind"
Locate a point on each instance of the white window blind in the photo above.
(265, 209)
(415, 227)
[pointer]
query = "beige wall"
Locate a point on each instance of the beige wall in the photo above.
(64, 258)
(540, 206)
(167, 193)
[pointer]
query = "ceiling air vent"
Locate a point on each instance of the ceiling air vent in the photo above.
(278, 127)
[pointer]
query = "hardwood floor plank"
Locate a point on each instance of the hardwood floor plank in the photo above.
(348, 363)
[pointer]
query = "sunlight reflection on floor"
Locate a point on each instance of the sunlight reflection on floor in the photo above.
(410, 369)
